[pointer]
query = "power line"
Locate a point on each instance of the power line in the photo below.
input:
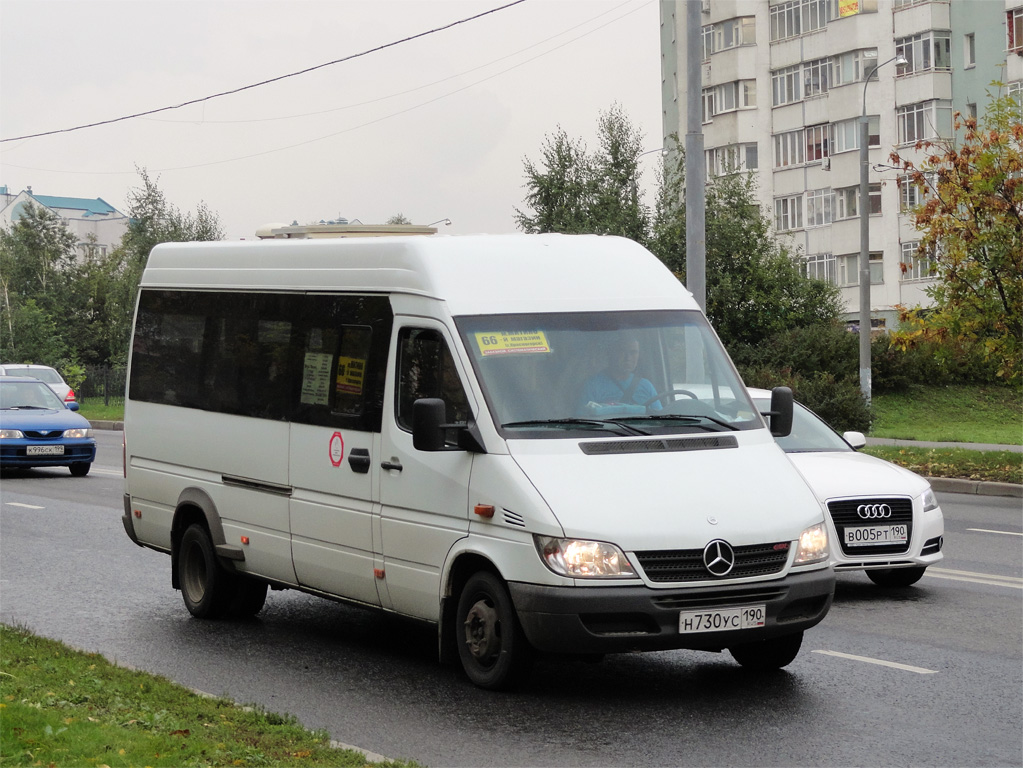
(271, 80)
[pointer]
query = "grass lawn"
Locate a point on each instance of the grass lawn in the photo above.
(60, 707)
(961, 414)
(94, 410)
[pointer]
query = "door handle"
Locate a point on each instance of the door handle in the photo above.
(359, 460)
(396, 465)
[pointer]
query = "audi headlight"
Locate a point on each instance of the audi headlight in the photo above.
(930, 500)
(812, 546)
(579, 559)
(10, 434)
(78, 432)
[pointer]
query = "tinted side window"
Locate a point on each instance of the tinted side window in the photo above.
(308, 358)
(426, 369)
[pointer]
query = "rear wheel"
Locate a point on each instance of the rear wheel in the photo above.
(896, 577)
(773, 653)
(206, 587)
(491, 645)
(81, 469)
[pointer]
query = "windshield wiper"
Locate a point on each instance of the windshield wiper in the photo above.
(29, 407)
(692, 418)
(611, 425)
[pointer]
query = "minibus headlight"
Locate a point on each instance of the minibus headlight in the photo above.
(78, 433)
(812, 546)
(580, 559)
(930, 500)
(10, 434)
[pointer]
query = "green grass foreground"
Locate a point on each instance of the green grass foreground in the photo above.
(959, 414)
(990, 466)
(64, 708)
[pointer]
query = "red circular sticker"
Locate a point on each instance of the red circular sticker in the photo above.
(337, 449)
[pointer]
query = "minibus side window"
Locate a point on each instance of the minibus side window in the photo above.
(426, 369)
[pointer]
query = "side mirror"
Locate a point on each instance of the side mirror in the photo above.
(855, 439)
(428, 417)
(72, 406)
(781, 411)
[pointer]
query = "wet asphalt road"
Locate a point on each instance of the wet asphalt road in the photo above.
(929, 675)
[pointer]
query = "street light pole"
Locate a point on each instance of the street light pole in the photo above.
(865, 236)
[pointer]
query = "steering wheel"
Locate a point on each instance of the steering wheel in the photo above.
(667, 392)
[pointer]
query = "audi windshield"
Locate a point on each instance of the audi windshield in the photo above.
(809, 434)
(622, 373)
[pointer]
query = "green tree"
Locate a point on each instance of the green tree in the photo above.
(397, 220)
(573, 191)
(152, 220)
(972, 233)
(755, 287)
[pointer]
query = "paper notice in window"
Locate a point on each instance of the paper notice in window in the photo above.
(316, 378)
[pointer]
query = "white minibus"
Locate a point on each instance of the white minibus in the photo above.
(534, 442)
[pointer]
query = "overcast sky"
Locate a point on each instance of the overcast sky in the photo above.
(434, 128)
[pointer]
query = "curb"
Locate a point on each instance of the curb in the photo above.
(943, 484)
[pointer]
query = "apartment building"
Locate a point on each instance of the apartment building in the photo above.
(785, 83)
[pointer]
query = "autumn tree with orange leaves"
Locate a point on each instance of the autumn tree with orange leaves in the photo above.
(971, 222)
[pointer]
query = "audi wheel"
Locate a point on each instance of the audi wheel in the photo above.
(896, 577)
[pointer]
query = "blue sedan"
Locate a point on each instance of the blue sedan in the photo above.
(38, 430)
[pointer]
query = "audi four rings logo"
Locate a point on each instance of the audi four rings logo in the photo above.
(719, 557)
(873, 511)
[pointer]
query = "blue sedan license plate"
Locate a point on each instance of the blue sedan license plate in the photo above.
(722, 619)
(44, 450)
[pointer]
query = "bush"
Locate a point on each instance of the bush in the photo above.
(804, 351)
(836, 400)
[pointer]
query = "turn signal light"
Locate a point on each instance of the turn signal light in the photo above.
(484, 510)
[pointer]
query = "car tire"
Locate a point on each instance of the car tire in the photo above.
(897, 577)
(208, 590)
(250, 598)
(494, 651)
(765, 655)
(80, 469)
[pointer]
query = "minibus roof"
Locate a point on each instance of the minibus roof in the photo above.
(474, 274)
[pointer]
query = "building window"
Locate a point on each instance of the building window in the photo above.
(925, 52)
(849, 269)
(851, 66)
(1014, 28)
(819, 266)
(798, 17)
(914, 265)
(1015, 90)
(847, 201)
(729, 34)
(785, 85)
(818, 207)
(788, 213)
(727, 97)
(733, 158)
(912, 196)
(969, 50)
(815, 77)
(925, 120)
(845, 134)
(817, 142)
(788, 149)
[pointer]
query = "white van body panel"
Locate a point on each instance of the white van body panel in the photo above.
(649, 501)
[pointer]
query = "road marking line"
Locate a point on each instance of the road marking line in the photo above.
(880, 662)
(976, 578)
(1004, 533)
(19, 504)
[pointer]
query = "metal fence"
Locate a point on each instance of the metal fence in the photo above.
(102, 382)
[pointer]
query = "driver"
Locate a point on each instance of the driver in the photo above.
(619, 384)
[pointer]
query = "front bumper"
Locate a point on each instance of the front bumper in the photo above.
(639, 618)
(13, 453)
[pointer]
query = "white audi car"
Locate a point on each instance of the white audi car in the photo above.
(883, 519)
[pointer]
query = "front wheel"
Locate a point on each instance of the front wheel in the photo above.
(491, 645)
(773, 653)
(896, 577)
(80, 469)
(208, 589)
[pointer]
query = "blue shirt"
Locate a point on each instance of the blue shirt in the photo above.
(605, 390)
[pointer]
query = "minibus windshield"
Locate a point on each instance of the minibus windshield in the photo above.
(620, 373)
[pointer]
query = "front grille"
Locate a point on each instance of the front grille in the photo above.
(673, 565)
(844, 515)
(50, 434)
